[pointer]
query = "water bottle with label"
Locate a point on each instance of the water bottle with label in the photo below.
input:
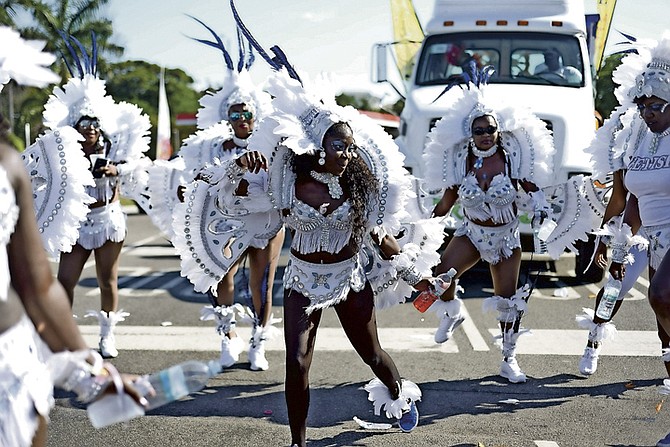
(608, 300)
(439, 285)
(176, 382)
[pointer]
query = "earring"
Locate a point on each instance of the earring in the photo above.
(322, 158)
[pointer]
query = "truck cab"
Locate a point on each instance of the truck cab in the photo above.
(540, 54)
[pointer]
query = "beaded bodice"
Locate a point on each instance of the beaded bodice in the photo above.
(496, 203)
(316, 231)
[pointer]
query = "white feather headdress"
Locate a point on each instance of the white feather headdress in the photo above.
(523, 135)
(238, 87)
(24, 61)
(654, 79)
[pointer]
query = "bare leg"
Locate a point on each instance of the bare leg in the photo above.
(40, 438)
(300, 335)
(70, 267)
(107, 269)
(505, 276)
(359, 321)
(659, 298)
(460, 254)
(262, 270)
(225, 291)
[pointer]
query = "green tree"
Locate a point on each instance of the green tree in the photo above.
(605, 100)
(136, 82)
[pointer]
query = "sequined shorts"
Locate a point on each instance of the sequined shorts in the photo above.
(324, 284)
(493, 243)
(102, 224)
(659, 243)
(26, 389)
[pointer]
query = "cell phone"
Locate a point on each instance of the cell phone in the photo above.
(99, 163)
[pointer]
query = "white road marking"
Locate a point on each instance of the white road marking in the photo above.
(546, 444)
(540, 342)
(474, 336)
(572, 342)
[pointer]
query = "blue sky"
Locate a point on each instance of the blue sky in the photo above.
(317, 35)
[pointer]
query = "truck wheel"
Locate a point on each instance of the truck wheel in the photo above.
(585, 251)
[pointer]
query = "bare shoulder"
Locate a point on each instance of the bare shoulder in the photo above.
(10, 160)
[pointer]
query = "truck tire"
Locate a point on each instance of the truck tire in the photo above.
(585, 250)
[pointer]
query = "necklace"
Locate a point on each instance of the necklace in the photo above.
(655, 139)
(333, 182)
(481, 155)
(240, 142)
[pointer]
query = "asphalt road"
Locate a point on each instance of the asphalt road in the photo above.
(465, 402)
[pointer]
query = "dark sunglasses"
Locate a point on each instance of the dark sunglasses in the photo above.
(85, 123)
(479, 131)
(340, 146)
(657, 107)
(236, 116)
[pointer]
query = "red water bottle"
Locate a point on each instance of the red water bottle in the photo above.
(438, 286)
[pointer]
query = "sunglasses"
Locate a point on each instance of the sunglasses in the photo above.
(341, 146)
(85, 123)
(657, 107)
(479, 131)
(236, 116)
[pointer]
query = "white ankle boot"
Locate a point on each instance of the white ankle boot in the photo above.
(510, 370)
(450, 318)
(108, 321)
(231, 347)
(598, 332)
(588, 364)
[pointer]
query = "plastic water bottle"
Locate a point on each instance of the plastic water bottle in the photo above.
(608, 300)
(177, 381)
(439, 285)
(541, 233)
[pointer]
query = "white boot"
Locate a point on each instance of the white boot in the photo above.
(259, 335)
(108, 321)
(509, 368)
(257, 352)
(231, 347)
(598, 332)
(450, 315)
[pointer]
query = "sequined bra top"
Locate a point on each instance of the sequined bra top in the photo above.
(314, 231)
(496, 203)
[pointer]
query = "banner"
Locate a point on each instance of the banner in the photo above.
(606, 12)
(407, 34)
(163, 146)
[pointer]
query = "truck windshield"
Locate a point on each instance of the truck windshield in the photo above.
(518, 57)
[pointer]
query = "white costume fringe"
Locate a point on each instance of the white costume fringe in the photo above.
(380, 396)
(597, 332)
(223, 315)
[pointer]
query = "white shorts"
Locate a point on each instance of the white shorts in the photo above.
(659, 243)
(492, 243)
(102, 224)
(26, 389)
(324, 284)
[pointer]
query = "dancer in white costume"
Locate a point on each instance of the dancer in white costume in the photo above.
(227, 119)
(339, 183)
(480, 153)
(647, 178)
(607, 159)
(116, 135)
(35, 316)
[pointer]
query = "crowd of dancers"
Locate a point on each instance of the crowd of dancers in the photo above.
(283, 157)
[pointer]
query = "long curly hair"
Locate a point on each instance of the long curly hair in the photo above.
(357, 181)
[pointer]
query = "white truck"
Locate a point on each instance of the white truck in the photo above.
(514, 36)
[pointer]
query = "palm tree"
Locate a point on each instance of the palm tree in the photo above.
(50, 18)
(77, 18)
(8, 12)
